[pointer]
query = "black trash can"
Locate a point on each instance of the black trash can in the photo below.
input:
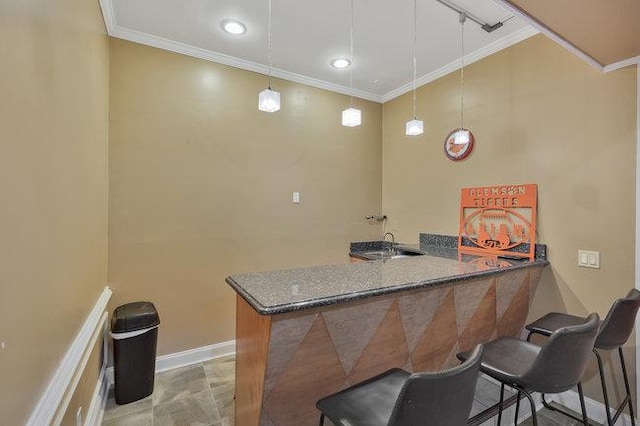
(134, 329)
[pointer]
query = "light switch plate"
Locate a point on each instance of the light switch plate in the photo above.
(296, 198)
(589, 259)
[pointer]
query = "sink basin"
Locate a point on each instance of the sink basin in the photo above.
(390, 254)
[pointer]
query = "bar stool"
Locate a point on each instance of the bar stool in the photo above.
(399, 398)
(554, 368)
(614, 333)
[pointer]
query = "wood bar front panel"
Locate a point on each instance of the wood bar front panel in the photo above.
(252, 345)
(316, 352)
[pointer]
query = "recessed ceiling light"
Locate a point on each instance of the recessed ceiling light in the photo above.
(340, 63)
(233, 27)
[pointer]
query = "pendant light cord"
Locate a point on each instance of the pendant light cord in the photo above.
(415, 42)
(351, 55)
(269, 42)
(463, 19)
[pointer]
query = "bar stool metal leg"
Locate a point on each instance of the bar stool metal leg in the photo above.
(321, 419)
(534, 415)
(626, 385)
(501, 403)
(605, 394)
(585, 419)
(515, 420)
(613, 333)
(627, 399)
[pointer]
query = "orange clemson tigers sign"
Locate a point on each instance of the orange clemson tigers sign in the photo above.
(498, 220)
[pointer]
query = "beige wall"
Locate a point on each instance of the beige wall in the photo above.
(83, 393)
(201, 181)
(618, 20)
(201, 185)
(540, 115)
(53, 181)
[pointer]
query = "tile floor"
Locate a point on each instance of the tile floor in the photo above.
(199, 394)
(202, 394)
(488, 394)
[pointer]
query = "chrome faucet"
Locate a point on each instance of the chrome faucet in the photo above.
(393, 239)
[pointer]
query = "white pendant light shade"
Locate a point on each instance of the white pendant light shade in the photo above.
(351, 117)
(414, 127)
(269, 100)
(461, 137)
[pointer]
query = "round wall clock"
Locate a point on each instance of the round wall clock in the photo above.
(457, 145)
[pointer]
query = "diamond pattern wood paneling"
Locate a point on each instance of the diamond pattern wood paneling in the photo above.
(513, 320)
(439, 338)
(289, 333)
(481, 326)
(388, 340)
(315, 353)
(313, 372)
(507, 287)
(417, 310)
(360, 320)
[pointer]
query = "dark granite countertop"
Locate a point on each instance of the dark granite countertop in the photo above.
(289, 290)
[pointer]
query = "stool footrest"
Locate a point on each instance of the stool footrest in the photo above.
(554, 406)
(485, 415)
(618, 413)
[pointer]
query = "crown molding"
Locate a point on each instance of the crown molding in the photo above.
(108, 15)
(220, 58)
(470, 58)
(622, 64)
(550, 33)
(116, 31)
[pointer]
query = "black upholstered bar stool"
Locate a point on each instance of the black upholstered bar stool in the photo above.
(614, 333)
(399, 398)
(554, 368)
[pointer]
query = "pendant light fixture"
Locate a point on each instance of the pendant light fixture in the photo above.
(269, 100)
(462, 135)
(414, 127)
(351, 117)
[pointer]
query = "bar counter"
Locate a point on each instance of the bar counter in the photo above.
(304, 333)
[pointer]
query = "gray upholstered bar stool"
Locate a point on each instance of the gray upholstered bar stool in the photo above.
(614, 333)
(399, 398)
(556, 367)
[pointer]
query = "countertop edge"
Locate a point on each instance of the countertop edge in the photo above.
(343, 298)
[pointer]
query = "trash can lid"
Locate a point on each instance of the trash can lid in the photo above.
(134, 316)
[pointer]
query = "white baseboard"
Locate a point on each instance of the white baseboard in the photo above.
(507, 414)
(525, 410)
(569, 399)
(64, 405)
(98, 401)
(194, 356)
(188, 357)
(65, 377)
(595, 409)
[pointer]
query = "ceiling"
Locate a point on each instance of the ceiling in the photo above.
(606, 31)
(307, 35)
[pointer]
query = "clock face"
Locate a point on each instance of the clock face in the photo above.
(458, 151)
